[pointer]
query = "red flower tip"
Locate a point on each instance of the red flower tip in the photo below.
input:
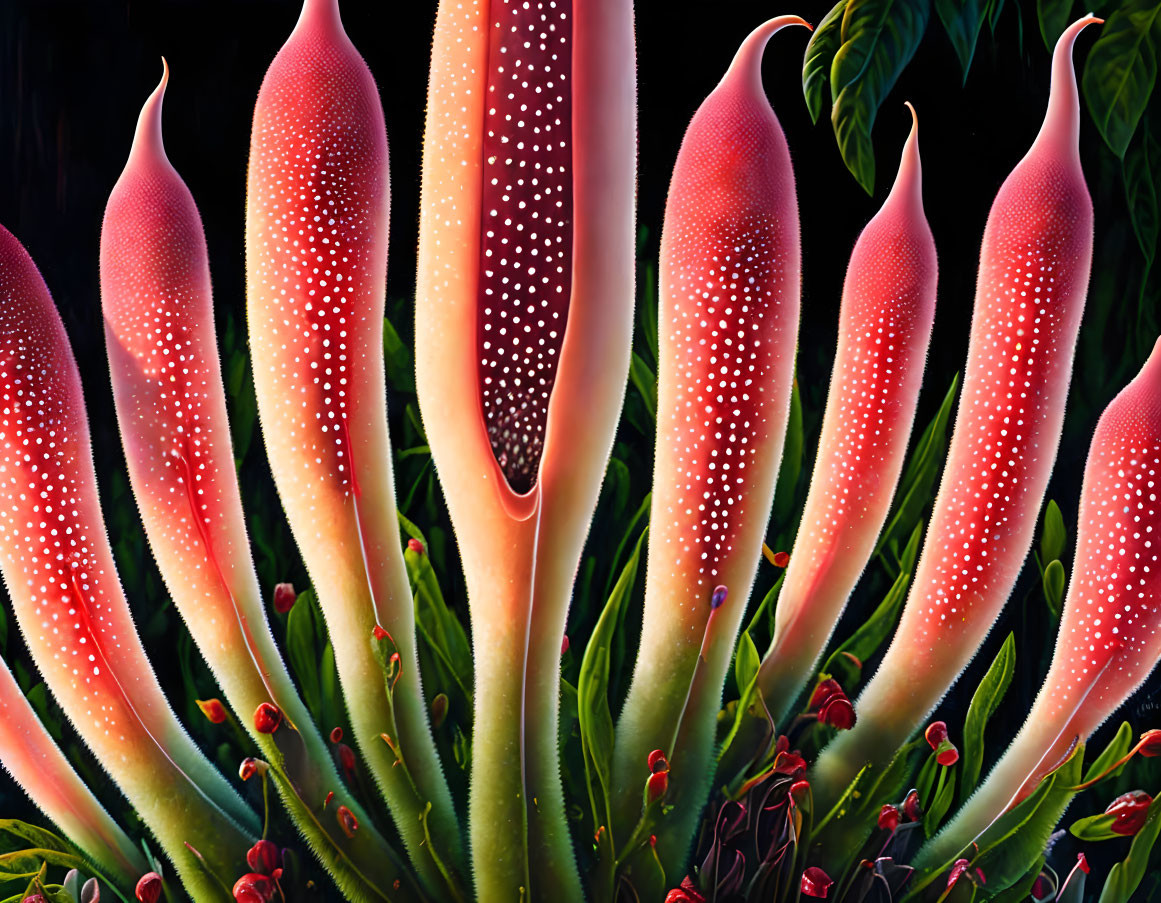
(347, 821)
(912, 811)
(957, 871)
(564, 645)
(824, 692)
(889, 817)
(212, 709)
(781, 745)
(250, 767)
(1150, 744)
(1130, 810)
(267, 718)
(656, 786)
(781, 559)
(379, 633)
(253, 888)
(719, 597)
(815, 882)
(438, 710)
(346, 759)
(1082, 863)
(947, 755)
(415, 546)
(657, 761)
(936, 733)
(330, 796)
(284, 597)
(838, 713)
(687, 893)
(790, 764)
(264, 857)
(336, 735)
(798, 790)
(653, 841)
(148, 888)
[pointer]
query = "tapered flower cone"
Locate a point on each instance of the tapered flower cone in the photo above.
(171, 407)
(1110, 629)
(884, 326)
(1034, 269)
(34, 761)
(523, 325)
(729, 304)
(58, 567)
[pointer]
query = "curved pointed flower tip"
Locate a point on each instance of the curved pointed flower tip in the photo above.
(729, 307)
(1110, 629)
(148, 142)
(888, 307)
(1061, 128)
(34, 761)
(64, 587)
(1035, 261)
(315, 309)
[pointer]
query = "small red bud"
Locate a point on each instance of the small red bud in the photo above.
(253, 888)
(264, 857)
(284, 597)
(148, 888)
(935, 734)
(687, 893)
(657, 761)
(889, 817)
(347, 821)
(415, 546)
(912, 811)
(824, 692)
(947, 755)
(790, 764)
(838, 713)
(719, 597)
(957, 871)
(250, 767)
(1150, 744)
(815, 882)
(781, 745)
(267, 718)
(799, 789)
(212, 709)
(330, 796)
(379, 633)
(1082, 863)
(336, 735)
(564, 645)
(1130, 810)
(346, 759)
(781, 559)
(653, 841)
(656, 786)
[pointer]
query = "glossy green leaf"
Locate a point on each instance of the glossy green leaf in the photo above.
(1054, 16)
(820, 50)
(1125, 877)
(879, 37)
(746, 662)
(1117, 749)
(869, 635)
(1142, 160)
(791, 465)
(910, 553)
(1094, 827)
(1121, 70)
(437, 625)
(962, 20)
(1053, 535)
(984, 702)
(941, 802)
(646, 382)
(1054, 581)
(305, 635)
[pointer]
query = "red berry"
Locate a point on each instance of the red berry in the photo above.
(267, 718)
(815, 882)
(656, 786)
(212, 709)
(264, 857)
(336, 735)
(379, 633)
(824, 692)
(838, 713)
(284, 597)
(253, 888)
(947, 755)
(936, 733)
(781, 559)
(657, 761)
(415, 546)
(148, 888)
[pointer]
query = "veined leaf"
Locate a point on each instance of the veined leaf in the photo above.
(1095, 827)
(1121, 71)
(746, 662)
(820, 50)
(984, 702)
(864, 642)
(1054, 16)
(1125, 877)
(879, 37)
(962, 20)
(1142, 159)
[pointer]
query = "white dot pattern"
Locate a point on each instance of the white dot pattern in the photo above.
(526, 229)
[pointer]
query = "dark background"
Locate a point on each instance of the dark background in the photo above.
(73, 76)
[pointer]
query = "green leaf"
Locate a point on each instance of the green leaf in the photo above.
(1121, 71)
(865, 641)
(911, 550)
(1053, 535)
(1142, 159)
(944, 794)
(39, 700)
(397, 358)
(28, 863)
(1054, 580)
(879, 37)
(437, 624)
(962, 20)
(1125, 877)
(648, 316)
(820, 50)
(791, 466)
(746, 662)
(1054, 16)
(303, 640)
(984, 702)
(1117, 749)
(917, 485)
(646, 382)
(593, 713)
(35, 835)
(1095, 827)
